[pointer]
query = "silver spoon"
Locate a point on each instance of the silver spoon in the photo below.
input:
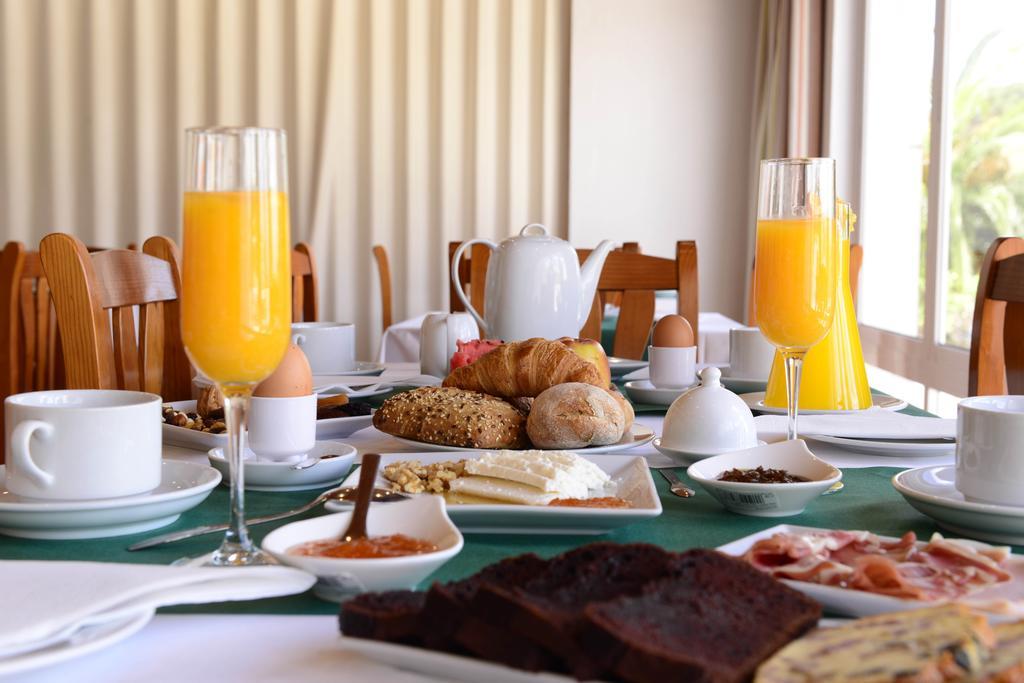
(676, 484)
(306, 464)
(345, 494)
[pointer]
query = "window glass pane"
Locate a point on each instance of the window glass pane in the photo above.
(899, 55)
(986, 166)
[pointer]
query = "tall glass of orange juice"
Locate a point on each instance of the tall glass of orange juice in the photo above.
(796, 261)
(236, 284)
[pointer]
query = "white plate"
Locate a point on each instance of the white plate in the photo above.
(444, 666)
(905, 448)
(642, 391)
(267, 475)
(932, 491)
(183, 486)
(355, 394)
(363, 367)
(755, 401)
(638, 435)
(857, 603)
(624, 366)
(334, 428)
(741, 385)
(629, 471)
(81, 642)
(690, 457)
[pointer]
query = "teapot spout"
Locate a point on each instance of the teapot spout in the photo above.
(590, 273)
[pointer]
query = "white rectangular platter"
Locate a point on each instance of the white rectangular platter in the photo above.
(856, 603)
(334, 428)
(629, 472)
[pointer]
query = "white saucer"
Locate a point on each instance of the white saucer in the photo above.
(690, 457)
(907, 448)
(363, 367)
(755, 401)
(741, 385)
(184, 485)
(932, 491)
(268, 475)
(642, 391)
(624, 366)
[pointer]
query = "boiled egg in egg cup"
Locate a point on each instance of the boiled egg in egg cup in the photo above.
(282, 414)
(672, 353)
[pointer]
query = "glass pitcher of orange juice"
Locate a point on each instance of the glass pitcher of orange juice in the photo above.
(834, 376)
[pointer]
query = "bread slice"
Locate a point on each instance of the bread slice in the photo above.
(947, 642)
(392, 616)
(548, 609)
(1005, 663)
(714, 621)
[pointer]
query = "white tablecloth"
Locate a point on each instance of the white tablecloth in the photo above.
(207, 647)
(401, 341)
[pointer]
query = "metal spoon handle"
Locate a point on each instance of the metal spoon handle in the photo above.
(211, 528)
(367, 478)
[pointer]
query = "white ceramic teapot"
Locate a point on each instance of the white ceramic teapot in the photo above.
(535, 286)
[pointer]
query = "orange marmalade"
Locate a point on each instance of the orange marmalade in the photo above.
(395, 545)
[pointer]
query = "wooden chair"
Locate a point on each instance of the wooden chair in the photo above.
(305, 307)
(380, 253)
(856, 261)
(95, 295)
(473, 268)
(997, 337)
(638, 277)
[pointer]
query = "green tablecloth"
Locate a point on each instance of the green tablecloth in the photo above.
(867, 502)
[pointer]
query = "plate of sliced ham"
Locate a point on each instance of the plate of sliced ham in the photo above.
(858, 573)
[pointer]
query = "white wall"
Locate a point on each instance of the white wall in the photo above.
(659, 135)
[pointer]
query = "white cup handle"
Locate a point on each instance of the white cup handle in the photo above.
(20, 456)
(299, 339)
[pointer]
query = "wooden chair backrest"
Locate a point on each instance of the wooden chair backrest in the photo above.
(305, 307)
(380, 253)
(997, 337)
(28, 359)
(636, 277)
(472, 269)
(95, 296)
(856, 261)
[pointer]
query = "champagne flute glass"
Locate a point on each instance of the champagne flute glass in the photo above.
(236, 284)
(796, 262)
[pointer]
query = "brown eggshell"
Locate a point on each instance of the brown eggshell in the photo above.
(672, 331)
(292, 377)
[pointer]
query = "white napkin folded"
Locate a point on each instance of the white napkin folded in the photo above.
(873, 423)
(44, 603)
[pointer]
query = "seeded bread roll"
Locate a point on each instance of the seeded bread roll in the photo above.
(575, 415)
(453, 417)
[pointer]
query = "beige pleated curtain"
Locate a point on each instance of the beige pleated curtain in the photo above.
(410, 123)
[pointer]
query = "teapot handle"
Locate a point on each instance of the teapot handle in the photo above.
(456, 260)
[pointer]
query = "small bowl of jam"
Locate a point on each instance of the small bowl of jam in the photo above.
(407, 541)
(775, 480)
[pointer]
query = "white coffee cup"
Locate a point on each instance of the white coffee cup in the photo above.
(82, 444)
(282, 428)
(672, 367)
(329, 347)
(438, 335)
(750, 354)
(990, 449)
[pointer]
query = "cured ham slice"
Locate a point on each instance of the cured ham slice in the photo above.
(903, 568)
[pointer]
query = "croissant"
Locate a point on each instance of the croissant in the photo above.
(524, 368)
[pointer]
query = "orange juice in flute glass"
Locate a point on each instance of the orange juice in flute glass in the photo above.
(796, 257)
(236, 284)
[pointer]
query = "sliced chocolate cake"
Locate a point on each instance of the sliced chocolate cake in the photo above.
(392, 616)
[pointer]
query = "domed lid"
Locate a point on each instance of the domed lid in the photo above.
(709, 419)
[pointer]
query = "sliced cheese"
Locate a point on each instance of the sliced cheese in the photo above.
(562, 472)
(886, 647)
(501, 490)
(1007, 661)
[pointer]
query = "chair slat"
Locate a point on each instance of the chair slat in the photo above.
(995, 340)
(636, 314)
(380, 254)
(1009, 280)
(305, 304)
(176, 376)
(27, 345)
(1013, 347)
(130, 278)
(151, 346)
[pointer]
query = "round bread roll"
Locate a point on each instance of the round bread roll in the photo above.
(574, 415)
(627, 407)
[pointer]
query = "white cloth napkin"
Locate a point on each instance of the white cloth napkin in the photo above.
(873, 423)
(44, 603)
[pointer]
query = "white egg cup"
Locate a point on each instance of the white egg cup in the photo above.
(672, 367)
(706, 421)
(282, 428)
